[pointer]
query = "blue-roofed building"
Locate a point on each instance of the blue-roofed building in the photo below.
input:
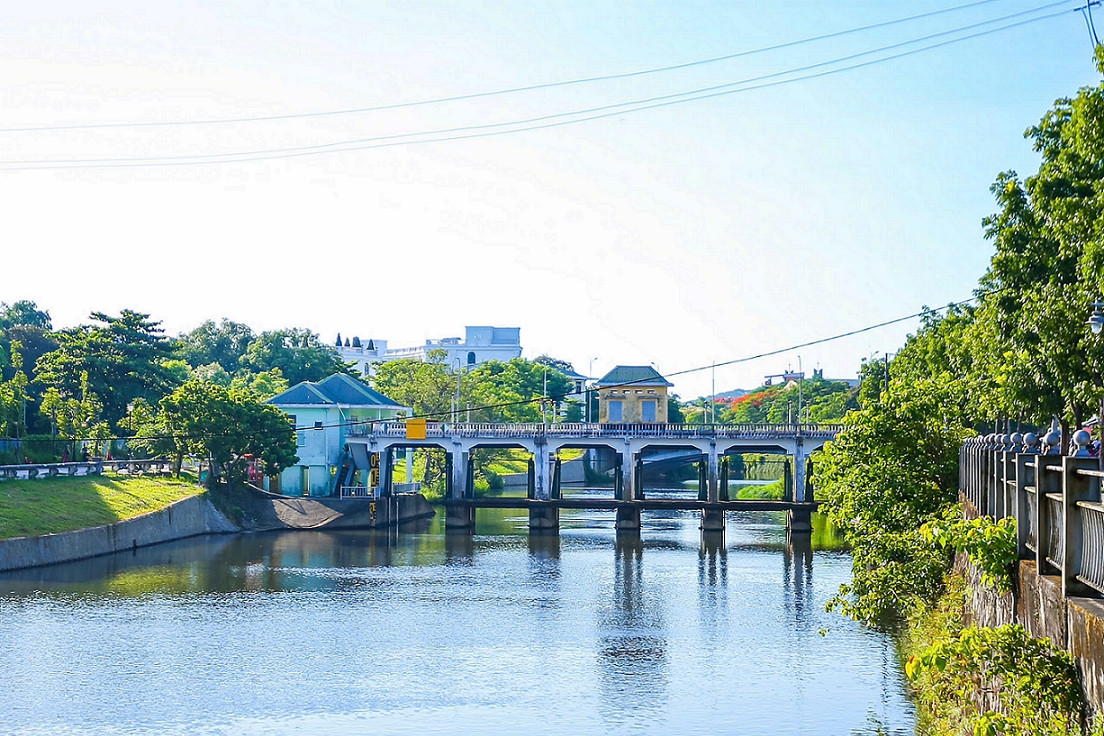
(330, 405)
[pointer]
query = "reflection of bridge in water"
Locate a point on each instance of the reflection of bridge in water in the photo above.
(629, 442)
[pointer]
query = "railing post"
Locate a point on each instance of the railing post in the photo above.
(1048, 480)
(1075, 487)
(1025, 476)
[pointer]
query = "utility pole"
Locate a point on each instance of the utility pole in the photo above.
(800, 396)
(713, 396)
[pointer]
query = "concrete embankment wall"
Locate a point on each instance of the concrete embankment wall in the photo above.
(1036, 603)
(185, 518)
(196, 515)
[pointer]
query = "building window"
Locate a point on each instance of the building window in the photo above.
(616, 411)
(471, 358)
(300, 438)
(647, 411)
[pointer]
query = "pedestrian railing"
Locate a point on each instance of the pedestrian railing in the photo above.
(594, 430)
(1055, 500)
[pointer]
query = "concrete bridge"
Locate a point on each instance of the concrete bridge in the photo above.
(629, 442)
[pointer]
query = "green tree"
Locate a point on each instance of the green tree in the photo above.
(76, 417)
(514, 391)
(123, 358)
(674, 410)
(298, 353)
(13, 397)
(225, 425)
(265, 384)
(561, 365)
(1047, 270)
(224, 343)
(426, 386)
(33, 342)
(24, 313)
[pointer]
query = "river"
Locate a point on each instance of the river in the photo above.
(423, 632)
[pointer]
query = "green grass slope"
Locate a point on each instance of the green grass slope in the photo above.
(49, 505)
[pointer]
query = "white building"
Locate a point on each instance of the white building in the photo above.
(479, 345)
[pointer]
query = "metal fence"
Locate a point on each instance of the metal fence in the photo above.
(1055, 500)
(591, 430)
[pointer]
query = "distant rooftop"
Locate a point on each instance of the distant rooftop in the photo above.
(338, 389)
(638, 375)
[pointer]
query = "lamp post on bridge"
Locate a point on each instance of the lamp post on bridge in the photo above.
(1096, 324)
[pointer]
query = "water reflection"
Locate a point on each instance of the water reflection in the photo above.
(797, 578)
(632, 648)
(423, 631)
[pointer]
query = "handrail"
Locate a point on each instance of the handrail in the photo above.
(392, 428)
(1055, 500)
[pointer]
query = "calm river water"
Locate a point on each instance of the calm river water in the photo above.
(426, 633)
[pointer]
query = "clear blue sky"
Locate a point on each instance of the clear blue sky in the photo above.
(692, 233)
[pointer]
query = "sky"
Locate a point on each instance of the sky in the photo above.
(685, 235)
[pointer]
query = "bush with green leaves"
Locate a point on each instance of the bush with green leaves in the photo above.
(1031, 684)
(990, 545)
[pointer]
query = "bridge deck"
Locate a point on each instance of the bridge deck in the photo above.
(644, 504)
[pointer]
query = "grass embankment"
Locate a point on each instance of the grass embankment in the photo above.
(50, 505)
(768, 492)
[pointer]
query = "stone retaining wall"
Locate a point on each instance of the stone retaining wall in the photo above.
(1036, 603)
(185, 518)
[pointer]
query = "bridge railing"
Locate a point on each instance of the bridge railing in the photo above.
(594, 430)
(1054, 499)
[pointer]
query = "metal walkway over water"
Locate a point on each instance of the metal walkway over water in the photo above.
(629, 443)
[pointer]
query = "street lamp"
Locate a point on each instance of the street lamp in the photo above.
(1096, 321)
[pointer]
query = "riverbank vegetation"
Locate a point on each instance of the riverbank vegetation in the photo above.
(52, 505)
(1019, 356)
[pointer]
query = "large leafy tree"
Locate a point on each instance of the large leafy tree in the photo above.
(1048, 268)
(223, 343)
(514, 391)
(122, 356)
(824, 401)
(298, 353)
(25, 313)
(13, 397)
(426, 386)
(78, 417)
(228, 426)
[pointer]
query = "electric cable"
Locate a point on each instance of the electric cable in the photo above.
(389, 140)
(499, 92)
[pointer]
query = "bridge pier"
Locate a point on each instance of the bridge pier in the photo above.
(799, 471)
(628, 518)
(459, 518)
(712, 520)
(628, 476)
(712, 475)
(799, 521)
(544, 519)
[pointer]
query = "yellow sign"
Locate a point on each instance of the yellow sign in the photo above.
(415, 429)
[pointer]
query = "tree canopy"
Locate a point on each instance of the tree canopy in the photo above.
(122, 357)
(298, 353)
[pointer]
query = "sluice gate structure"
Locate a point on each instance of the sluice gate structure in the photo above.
(374, 444)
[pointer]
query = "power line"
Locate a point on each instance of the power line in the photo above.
(556, 397)
(500, 92)
(389, 141)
